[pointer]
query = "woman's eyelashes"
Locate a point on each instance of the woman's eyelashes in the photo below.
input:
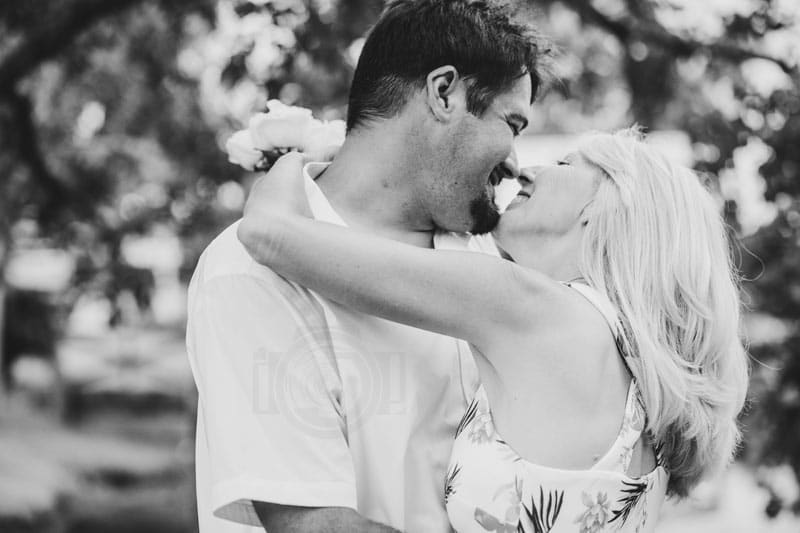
(562, 162)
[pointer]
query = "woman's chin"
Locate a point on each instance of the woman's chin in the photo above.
(516, 202)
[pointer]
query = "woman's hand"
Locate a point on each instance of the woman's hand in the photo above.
(281, 191)
(275, 198)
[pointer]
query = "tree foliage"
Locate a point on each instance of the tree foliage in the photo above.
(112, 115)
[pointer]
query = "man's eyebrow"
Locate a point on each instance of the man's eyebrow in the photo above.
(521, 121)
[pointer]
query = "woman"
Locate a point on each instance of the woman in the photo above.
(611, 366)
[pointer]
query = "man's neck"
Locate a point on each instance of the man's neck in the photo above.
(371, 185)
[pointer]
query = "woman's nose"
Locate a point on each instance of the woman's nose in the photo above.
(528, 174)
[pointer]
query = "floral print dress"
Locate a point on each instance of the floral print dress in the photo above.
(489, 487)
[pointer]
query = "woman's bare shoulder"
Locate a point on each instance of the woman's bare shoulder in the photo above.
(564, 335)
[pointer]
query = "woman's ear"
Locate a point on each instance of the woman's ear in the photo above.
(443, 90)
(583, 216)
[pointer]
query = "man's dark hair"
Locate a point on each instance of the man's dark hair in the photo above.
(413, 37)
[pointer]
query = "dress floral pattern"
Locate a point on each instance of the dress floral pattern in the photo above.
(596, 514)
(491, 488)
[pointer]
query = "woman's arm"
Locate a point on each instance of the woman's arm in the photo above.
(461, 294)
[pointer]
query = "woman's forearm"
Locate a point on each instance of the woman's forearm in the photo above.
(373, 275)
(261, 235)
(461, 294)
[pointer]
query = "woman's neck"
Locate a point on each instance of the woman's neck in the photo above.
(554, 257)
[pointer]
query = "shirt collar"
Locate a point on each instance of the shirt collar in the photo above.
(321, 208)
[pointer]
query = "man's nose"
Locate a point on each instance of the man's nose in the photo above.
(511, 166)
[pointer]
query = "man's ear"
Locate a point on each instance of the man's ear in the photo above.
(444, 92)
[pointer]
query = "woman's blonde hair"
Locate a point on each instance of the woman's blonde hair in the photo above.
(656, 244)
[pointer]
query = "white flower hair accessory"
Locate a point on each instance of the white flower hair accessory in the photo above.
(280, 130)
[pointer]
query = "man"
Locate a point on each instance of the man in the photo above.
(313, 417)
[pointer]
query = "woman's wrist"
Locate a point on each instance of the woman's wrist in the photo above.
(262, 233)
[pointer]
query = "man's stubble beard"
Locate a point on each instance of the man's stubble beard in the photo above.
(485, 215)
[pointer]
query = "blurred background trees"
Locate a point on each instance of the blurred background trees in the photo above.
(113, 114)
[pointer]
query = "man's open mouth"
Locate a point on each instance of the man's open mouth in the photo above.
(496, 176)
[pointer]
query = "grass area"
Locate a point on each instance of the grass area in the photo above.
(125, 463)
(60, 479)
(134, 473)
(733, 503)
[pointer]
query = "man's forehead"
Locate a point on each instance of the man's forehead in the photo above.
(518, 98)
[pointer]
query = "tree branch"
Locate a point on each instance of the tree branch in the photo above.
(49, 38)
(651, 32)
(590, 15)
(683, 47)
(27, 146)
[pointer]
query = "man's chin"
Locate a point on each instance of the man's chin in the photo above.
(485, 216)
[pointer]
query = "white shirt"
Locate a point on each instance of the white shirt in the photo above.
(305, 402)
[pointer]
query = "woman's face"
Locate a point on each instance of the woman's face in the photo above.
(550, 203)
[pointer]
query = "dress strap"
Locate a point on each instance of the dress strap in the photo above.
(619, 455)
(601, 302)
(634, 422)
(603, 305)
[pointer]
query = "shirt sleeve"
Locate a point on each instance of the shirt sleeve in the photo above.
(269, 397)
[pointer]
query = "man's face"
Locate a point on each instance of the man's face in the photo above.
(462, 194)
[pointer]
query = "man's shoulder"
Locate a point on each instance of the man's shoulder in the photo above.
(226, 256)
